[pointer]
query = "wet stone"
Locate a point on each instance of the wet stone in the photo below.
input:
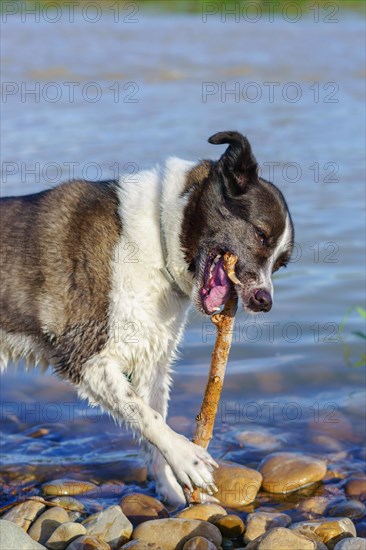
(237, 485)
(141, 545)
(138, 507)
(13, 537)
(23, 514)
(356, 487)
(86, 542)
(204, 512)
(281, 538)
(59, 487)
(327, 529)
(288, 472)
(352, 509)
(354, 543)
(111, 525)
(199, 543)
(315, 505)
(231, 526)
(69, 503)
(64, 535)
(260, 522)
(173, 533)
(258, 440)
(46, 523)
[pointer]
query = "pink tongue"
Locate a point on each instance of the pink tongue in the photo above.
(220, 289)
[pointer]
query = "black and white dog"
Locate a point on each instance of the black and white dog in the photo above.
(96, 280)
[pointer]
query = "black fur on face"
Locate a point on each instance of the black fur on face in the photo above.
(232, 209)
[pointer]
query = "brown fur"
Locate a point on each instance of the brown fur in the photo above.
(56, 269)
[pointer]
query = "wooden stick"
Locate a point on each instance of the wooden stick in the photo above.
(224, 323)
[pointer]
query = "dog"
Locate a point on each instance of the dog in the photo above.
(97, 278)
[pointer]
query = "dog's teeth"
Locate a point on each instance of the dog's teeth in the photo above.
(217, 259)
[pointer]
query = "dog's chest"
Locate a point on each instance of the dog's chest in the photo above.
(147, 318)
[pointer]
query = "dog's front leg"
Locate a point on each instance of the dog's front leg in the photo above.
(166, 483)
(103, 383)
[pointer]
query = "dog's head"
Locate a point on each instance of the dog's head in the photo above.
(231, 209)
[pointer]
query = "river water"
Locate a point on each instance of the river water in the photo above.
(127, 91)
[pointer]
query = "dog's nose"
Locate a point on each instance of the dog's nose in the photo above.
(263, 300)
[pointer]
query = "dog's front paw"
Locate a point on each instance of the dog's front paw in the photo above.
(191, 464)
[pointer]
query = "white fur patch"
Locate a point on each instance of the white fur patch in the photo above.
(282, 246)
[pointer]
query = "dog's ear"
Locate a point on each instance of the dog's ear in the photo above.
(238, 163)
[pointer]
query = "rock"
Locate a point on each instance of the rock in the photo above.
(138, 508)
(280, 538)
(361, 529)
(355, 543)
(71, 487)
(69, 503)
(86, 542)
(231, 526)
(13, 537)
(288, 472)
(347, 508)
(204, 512)
(141, 545)
(356, 487)
(73, 506)
(325, 530)
(173, 533)
(258, 439)
(327, 442)
(110, 525)
(237, 485)
(64, 535)
(199, 543)
(47, 522)
(23, 514)
(260, 522)
(315, 505)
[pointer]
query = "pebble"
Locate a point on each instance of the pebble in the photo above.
(13, 537)
(356, 487)
(138, 507)
(199, 543)
(110, 525)
(315, 505)
(64, 534)
(325, 529)
(172, 533)
(260, 522)
(69, 502)
(86, 542)
(73, 506)
(231, 526)
(71, 487)
(259, 440)
(141, 545)
(281, 538)
(347, 508)
(355, 543)
(361, 529)
(237, 485)
(46, 523)
(288, 472)
(23, 514)
(204, 512)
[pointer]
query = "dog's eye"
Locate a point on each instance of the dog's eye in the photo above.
(260, 235)
(278, 266)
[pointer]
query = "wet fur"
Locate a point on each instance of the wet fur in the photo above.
(82, 287)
